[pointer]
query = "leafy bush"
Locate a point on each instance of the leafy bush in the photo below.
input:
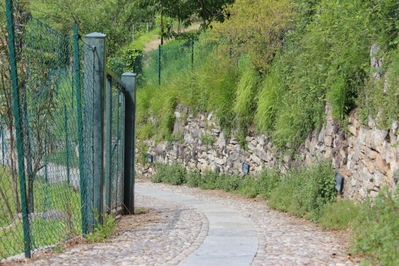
(267, 181)
(209, 180)
(304, 191)
(194, 178)
(174, 174)
(228, 183)
(270, 98)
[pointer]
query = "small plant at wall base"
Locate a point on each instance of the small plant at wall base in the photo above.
(376, 231)
(174, 174)
(102, 232)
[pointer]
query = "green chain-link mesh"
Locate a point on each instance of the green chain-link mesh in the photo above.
(53, 122)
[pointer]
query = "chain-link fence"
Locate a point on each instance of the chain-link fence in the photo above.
(156, 66)
(52, 127)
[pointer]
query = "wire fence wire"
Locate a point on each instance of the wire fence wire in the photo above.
(156, 66)
(46, 185)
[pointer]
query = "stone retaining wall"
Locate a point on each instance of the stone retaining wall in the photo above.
(365, 156)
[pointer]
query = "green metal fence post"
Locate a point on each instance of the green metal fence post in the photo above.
(94, 121)
(18, 127)
(121, 147)
(67, 144)
(159, 64)
(108, 143)
(82, 182)
(192, 53)
(129, 79)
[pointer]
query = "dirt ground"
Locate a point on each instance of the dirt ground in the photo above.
(142, 218)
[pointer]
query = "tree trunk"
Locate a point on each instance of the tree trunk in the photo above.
(162, 29)
(14, 170)
(7, 204)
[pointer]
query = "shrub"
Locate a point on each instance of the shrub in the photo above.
(267, 181)
(376, 231)
(194, 178)
(209, 180)
(304, 191)
(174, 174)
(248, 187)
(228, 183)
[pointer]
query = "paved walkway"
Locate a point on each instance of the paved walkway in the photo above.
(194, 227)
(230, 239)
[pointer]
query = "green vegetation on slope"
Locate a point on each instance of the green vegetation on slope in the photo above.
(274, 71)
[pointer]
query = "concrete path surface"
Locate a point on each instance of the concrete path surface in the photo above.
(231, 239)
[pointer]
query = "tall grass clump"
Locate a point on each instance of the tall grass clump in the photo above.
(376, 231)
(270, 99)
(245, 99)
(339, 215)
(304, 191)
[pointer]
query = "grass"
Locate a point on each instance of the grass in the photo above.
(63, 220)
(103, 231)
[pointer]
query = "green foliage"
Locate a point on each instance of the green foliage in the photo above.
(206, 139)
(185, 11)
(384, 90)
(60, 201)
(267, 181)
(304, 191)
(255, 29)
(245, 102)
(141, 153)
(376, 231)
(194, 178)
(339, 215)
(103, 231)
(270, 99)
(113, 18)
(229, 183)
(209, 180)
(174, 174)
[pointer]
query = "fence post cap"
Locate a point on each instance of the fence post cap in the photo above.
(129, 74)
(95, 35)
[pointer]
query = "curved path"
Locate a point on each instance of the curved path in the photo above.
(230, 240)
(188, 226)
(246, 232)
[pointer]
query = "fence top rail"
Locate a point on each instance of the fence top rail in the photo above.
(121, 86)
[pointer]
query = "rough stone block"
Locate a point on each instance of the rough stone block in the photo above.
(256, 159)
(382, 165)
(251, 147)
(308, 160)
(328, 141)
(353, 130)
